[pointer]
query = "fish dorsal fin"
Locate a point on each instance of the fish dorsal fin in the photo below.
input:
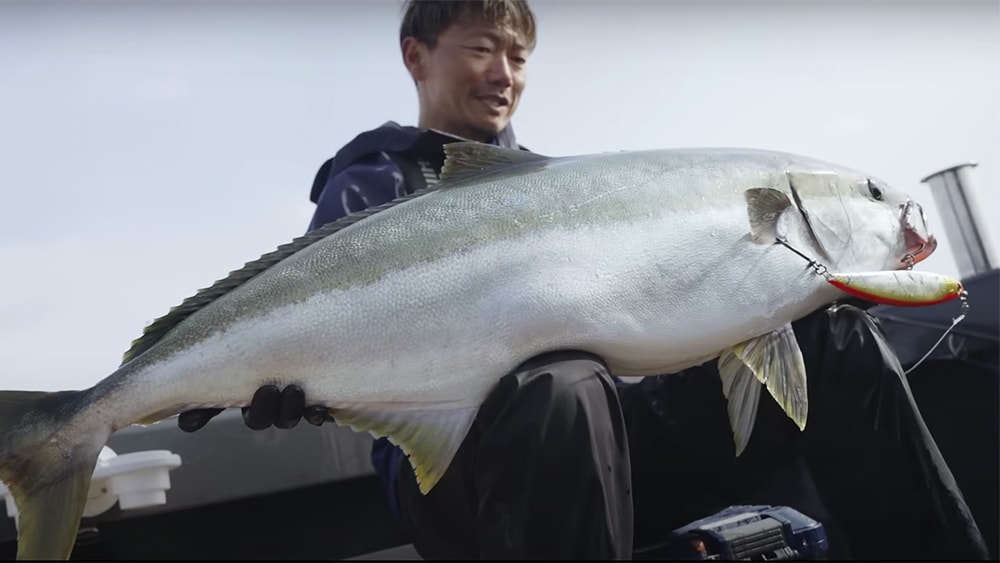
(161, 326)
(773, 359)
(464, 160)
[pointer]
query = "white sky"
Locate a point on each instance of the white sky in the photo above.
(148, 149)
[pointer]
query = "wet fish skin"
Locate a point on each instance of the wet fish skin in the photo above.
(403, 320)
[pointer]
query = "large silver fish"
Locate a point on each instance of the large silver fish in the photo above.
(401, 319)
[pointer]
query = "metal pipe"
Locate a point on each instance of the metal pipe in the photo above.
(962, 216)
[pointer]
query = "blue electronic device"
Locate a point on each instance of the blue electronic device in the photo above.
(744, 533)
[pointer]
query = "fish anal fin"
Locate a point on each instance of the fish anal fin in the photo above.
(468, 159)
(428, 434)
(742, 392)
(764, 207)
(776, 361)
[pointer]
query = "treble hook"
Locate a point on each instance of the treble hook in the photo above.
(910, 258)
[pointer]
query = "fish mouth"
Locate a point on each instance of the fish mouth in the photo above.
(918, 241)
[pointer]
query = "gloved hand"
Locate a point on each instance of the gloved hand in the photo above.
(269, 406)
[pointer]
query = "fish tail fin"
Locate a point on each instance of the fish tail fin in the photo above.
(47, 465)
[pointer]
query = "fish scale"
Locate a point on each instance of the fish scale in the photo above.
(402, 318)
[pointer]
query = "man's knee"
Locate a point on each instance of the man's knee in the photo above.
(554, 380)
(570, 365)
(566, 396)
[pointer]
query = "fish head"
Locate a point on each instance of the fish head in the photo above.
(856, 222)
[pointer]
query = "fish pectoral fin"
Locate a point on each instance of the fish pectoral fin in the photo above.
(468, 159)
(429, 435)
(742, 391)
(776, 361)
(764, 208)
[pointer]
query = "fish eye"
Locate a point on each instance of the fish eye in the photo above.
(874, 191)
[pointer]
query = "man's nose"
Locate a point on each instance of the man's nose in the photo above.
(499, 72)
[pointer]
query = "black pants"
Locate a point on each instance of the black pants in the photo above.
(559, 465)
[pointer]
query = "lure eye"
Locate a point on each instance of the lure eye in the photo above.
(874, 191)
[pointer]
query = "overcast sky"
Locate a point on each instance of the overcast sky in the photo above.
(149, 148)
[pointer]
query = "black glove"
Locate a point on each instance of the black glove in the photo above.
(269, 406)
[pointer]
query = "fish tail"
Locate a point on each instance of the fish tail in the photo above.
(47, 461)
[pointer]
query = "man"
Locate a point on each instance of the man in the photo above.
(564, 461)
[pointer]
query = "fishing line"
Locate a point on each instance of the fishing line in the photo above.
(909, 259)
(965, 309)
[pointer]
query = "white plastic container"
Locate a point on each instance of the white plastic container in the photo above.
(133, 480)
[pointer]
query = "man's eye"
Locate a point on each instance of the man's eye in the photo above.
(478, 48)
(519, 60)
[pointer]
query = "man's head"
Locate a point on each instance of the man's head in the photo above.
(468, 59)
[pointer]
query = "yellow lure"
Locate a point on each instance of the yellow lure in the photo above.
(906, 288)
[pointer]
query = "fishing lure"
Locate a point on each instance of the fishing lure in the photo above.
(903, 288)
(906, 288)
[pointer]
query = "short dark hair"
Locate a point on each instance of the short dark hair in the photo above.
(424, 20)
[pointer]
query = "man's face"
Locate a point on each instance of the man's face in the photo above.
(471, 81)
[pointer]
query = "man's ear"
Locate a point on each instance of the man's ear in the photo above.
(415, 58)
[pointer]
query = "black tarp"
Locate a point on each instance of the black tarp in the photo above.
(957, 388)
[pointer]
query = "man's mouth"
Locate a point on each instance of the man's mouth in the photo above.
(495, 102)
